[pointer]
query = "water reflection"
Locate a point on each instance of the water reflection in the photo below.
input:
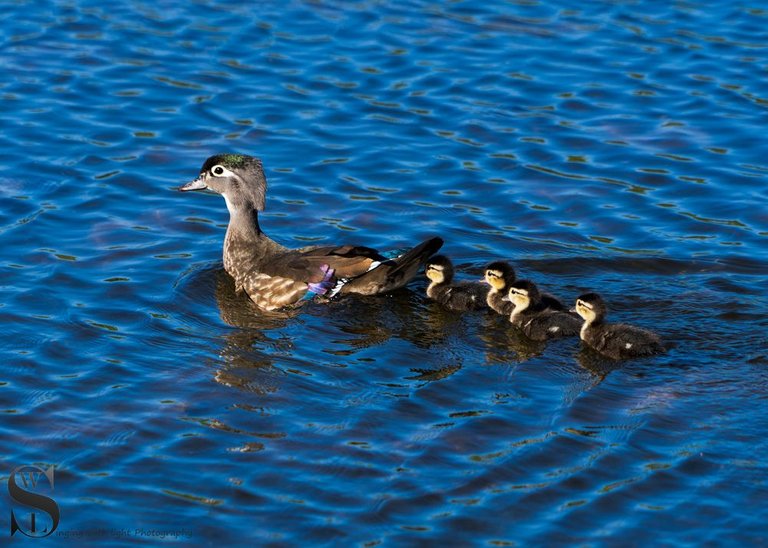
(248, 349)
(595, 363)
(431, 375)
(437, 326)
(504, 343)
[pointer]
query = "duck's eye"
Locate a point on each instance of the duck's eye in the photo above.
(218, 171)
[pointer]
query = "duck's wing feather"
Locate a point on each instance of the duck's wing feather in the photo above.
(496, 301)
(328, 270)
(394, 273)
(311, 265)
(633, 341)
(463, 296)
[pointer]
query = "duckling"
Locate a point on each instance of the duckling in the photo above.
(274, 276)
(617, 341)
(461, 296)
(499, 275)
(532, 316)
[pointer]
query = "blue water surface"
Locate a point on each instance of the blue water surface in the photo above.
(615, 146)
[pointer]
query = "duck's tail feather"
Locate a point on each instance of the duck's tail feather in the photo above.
(394, 273)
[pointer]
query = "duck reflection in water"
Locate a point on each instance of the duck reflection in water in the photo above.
(595, 363)
(344, 327)
(248, 351)
(252, 350)
(504, 343)
(374, 320)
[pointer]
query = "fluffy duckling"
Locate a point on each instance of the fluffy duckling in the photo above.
(534, 318)
(460, 296)
(617, 341)
(499, 275)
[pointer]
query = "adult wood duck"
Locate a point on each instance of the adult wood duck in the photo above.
(617, 341)
(274, 276)
(457, 296)
(532, 316)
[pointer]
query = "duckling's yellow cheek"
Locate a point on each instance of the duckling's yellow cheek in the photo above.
(584, 312)
(435, 276)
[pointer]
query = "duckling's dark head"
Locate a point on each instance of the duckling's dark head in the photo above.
(523, 293)
(499, 274)
(591, 307)
(237, 177)
(439, 269)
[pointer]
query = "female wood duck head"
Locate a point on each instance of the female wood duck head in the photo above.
(237, 177)
(499, 274)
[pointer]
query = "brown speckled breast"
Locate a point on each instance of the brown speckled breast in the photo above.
(272, 292)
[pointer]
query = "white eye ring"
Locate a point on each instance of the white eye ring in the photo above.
(218, 170)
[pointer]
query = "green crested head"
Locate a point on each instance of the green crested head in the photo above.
(231, 161)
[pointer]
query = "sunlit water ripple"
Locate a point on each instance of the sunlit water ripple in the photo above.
(613, 147)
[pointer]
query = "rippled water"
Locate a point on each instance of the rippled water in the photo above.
(614, 146)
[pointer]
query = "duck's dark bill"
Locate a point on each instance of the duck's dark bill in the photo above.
(197, 184)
